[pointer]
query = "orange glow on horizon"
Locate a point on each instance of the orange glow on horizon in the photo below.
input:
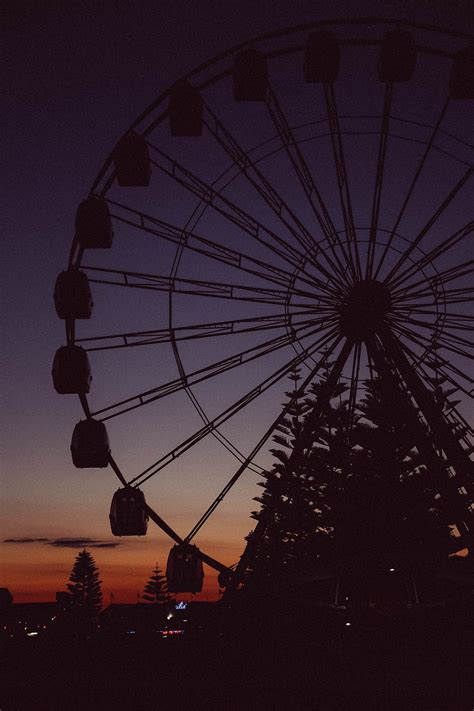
(35, 572)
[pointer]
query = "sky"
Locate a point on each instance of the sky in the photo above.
(75, 77)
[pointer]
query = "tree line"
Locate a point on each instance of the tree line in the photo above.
(84, 591)
(357, 487)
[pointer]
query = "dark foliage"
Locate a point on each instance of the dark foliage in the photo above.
(156, 590)
(85, 587)
(349, 491)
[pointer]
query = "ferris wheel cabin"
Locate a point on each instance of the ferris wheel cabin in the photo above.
(90, 446)
(185, 110)
(93, 224)
(71, 371)
(321, 58)
(250, 76)
(461, 84)
(72, 295)
(128, 515)
(184, 571)
(132, 161)
(397, 58)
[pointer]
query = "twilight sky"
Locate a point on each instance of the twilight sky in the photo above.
(75, 76)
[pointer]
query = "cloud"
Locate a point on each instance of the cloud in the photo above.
(81, 543)
(26, 540)
(67, 542)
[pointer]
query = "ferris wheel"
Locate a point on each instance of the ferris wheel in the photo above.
(303, 200)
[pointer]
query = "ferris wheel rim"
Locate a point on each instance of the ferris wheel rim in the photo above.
(392, 22)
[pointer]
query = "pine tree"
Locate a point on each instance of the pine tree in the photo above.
(348, 489)
(392, 492)
(292, 504)
(85, 587)
(156, 590)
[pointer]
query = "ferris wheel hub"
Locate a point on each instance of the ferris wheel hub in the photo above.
(364, 308)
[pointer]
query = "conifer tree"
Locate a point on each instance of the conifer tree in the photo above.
(292, 503)
(347, 487)
(85, 587)
(387, 504)
(156, 590)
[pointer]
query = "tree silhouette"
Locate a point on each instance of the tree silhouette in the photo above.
(386, 507)
(349, 490)
(293, 501)
(84, 587)
(156, 590)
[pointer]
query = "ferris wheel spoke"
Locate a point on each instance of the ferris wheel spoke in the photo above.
(436, 321)
(439, 366)
(354, 387)
(458, 318)
(194, 331)
(449, 340)
(389, 279)
(197, 287)
(413, 184)
(441, 376)
(331, 338)
(336, 370)
(219, 436)
(308, 184)
(226, 207)
(459, 296)
(334, 376)
(434, 284)
(342, 178)
(447, 296)
(238, 216)
(444, 334)
(457, 325)
(377, 196)
(211, 249)
(199, 245)
(214, 369)
(427, 342)
(436, 252)
(267, 192)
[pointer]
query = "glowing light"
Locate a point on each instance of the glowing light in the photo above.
(348, 624)
(392, 570)
(32, 634)
(181, 605)
(169, 616)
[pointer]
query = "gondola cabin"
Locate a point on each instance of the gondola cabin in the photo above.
(132, 161)
(71, 371)
(461, 84)
(321, 58)
(128, 516)
(184, 571)
(250, 76)
(72, 295)
(93, 224)
(90, 444)
(185, 110)
(397, 58)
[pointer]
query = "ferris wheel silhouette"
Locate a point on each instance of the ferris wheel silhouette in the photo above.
(299, 201)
